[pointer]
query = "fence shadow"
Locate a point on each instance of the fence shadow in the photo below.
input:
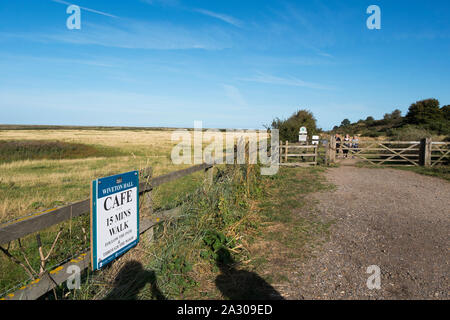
(130, 280)
(240, 284)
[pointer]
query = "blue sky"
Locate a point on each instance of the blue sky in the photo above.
(234, 64)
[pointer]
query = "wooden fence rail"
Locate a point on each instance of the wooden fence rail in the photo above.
(22, 227)
(303, 155)
(59, 275)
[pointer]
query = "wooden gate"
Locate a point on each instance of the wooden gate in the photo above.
(440, 153)
(296, 154)
(384, 152)
(391, 153)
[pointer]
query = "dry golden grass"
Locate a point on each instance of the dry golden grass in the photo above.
(33, 185)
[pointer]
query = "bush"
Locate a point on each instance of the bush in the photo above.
(409, 133)
(372, 134)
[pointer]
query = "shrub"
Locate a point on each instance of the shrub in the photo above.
(409, 133)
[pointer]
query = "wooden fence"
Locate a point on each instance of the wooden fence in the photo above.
(391, 153)
(35, 223)
(298, 155)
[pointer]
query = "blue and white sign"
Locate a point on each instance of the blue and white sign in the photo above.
(114, 217)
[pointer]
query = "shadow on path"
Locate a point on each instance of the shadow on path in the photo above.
(240, 284)
(130, 280)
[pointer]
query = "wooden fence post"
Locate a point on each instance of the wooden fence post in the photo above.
(286, 152)
(425, 152)
(147, 176)
(332, 149)
(316, 148)
(209, 175)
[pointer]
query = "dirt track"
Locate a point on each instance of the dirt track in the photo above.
(397, 220)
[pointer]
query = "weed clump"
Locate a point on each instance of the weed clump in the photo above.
(214, 218)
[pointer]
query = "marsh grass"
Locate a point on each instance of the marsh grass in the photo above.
(16, 150)
(32, 185)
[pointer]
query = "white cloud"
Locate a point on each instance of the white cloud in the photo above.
(234, 94)
(133, 34)
(226, 18)
(86, 9)
(288, 81)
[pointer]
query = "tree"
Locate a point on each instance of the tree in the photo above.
(289, 128)
(345, 123)
(370, 119)
(446, 112)
(396, 114)
(424, 112)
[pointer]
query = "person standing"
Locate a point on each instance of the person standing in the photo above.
(347, 144)
(355, 144)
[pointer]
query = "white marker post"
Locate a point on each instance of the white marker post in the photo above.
(302, 135)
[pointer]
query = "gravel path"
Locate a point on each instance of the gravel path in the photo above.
(395, 219)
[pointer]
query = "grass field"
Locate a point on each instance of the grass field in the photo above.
(41, 169)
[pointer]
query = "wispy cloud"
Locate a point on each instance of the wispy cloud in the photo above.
(135, 34)
(175, 3)
(57, 60)
(86, 9)
(171, 3)
(287, 81)
(234, 95)
(226, 18)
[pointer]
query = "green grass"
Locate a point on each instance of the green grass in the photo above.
(291, 225)
(15, 150)
(72, 241)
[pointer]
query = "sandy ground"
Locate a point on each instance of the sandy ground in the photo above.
(397, 220)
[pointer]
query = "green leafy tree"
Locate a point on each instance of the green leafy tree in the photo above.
(290, 127)
(345, 123)
(446, 112)
(424, 112)
(396, 114)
